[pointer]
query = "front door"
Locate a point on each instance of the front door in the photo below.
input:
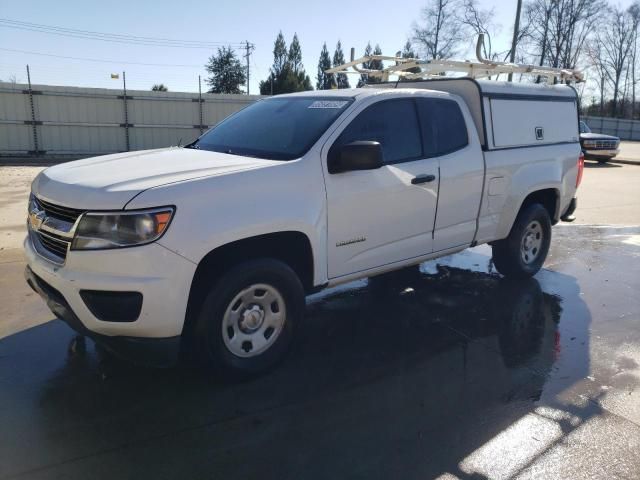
(379, 217)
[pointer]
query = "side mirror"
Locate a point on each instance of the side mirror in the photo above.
(362, 155)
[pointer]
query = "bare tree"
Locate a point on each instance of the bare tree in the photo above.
(479, 21)
(558, 29)
(537, 15)
(440, 33)
(634, 12)
(615, 42)
(594, 55)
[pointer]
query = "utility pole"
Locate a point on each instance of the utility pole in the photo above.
(126, 110)
(514, 42)
(33, 114)
(200, 103)
(248, 47)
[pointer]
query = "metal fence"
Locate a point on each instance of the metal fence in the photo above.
(624, 129)
(47, 120)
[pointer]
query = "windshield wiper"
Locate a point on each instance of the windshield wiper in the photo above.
(230, 151)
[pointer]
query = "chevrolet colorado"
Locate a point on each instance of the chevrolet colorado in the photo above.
(213, 246)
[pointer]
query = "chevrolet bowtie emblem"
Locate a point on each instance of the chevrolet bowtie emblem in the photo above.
(36, 217)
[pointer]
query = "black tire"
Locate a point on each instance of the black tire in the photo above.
(508, 253)
(212, 347)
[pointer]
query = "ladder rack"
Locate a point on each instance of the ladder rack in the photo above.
(437, 68)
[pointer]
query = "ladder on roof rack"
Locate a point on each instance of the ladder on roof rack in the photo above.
(436, 68)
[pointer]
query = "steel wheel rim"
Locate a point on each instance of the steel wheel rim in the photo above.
(253, 320)
(531, 242)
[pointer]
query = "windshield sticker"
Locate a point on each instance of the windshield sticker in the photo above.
(328, 104)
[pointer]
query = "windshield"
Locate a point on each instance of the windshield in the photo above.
(276, 129)
(584, 128)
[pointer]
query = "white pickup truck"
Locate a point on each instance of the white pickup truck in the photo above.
(214, 246)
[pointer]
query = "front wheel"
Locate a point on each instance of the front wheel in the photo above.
(248, 319)
(524, 251)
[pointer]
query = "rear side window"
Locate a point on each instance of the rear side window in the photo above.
(443, 127)
(393, 123)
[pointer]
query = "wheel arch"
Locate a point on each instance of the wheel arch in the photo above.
(291, 247)
(549, 198)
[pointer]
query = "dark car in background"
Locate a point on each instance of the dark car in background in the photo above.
(597, 146)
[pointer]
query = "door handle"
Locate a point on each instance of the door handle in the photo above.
(422, 179)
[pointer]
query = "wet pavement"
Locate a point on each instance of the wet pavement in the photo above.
(448, 371)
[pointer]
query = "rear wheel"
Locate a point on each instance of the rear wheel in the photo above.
(524, 251)
(248, 319)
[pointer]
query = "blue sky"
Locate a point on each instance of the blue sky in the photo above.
(354, 23)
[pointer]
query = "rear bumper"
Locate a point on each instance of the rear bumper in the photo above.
(160, 352)
(568, 216)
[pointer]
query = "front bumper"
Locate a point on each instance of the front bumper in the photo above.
(595, 154)
(161, 352)
(162, 277)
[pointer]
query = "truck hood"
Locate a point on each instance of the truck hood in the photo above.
(597, 136)
(110, 181)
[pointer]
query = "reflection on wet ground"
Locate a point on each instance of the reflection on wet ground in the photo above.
(449, 369)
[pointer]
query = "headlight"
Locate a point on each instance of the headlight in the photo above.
(121, 229)
(589, 143)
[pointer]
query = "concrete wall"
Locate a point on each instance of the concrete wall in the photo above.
(91, 121)
(624, 129)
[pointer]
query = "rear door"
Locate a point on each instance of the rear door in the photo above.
(461, 169)
(383, 216)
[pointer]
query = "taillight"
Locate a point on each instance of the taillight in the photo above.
(580, 169)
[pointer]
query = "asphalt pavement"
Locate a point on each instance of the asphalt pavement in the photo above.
(449, 372)
(629, 153)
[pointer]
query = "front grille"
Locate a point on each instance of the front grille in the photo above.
(52, 239)
(57, 211)
(48, 244)
(605, 145)
(53, 244)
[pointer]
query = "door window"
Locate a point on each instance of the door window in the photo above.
(393, 123)
(443, 127)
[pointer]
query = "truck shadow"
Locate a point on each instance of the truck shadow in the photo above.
(596, 164)
(403, 376)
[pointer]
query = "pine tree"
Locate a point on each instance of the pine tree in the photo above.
(226, 72)
(366, 65)
(324, 80)
(287, 72)
(295, 54)
(375, 65)
(407, 52)
(338, 59)
(280, 55)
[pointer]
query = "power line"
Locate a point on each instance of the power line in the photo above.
(112, 37)
(124, 36)
(99, 60)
